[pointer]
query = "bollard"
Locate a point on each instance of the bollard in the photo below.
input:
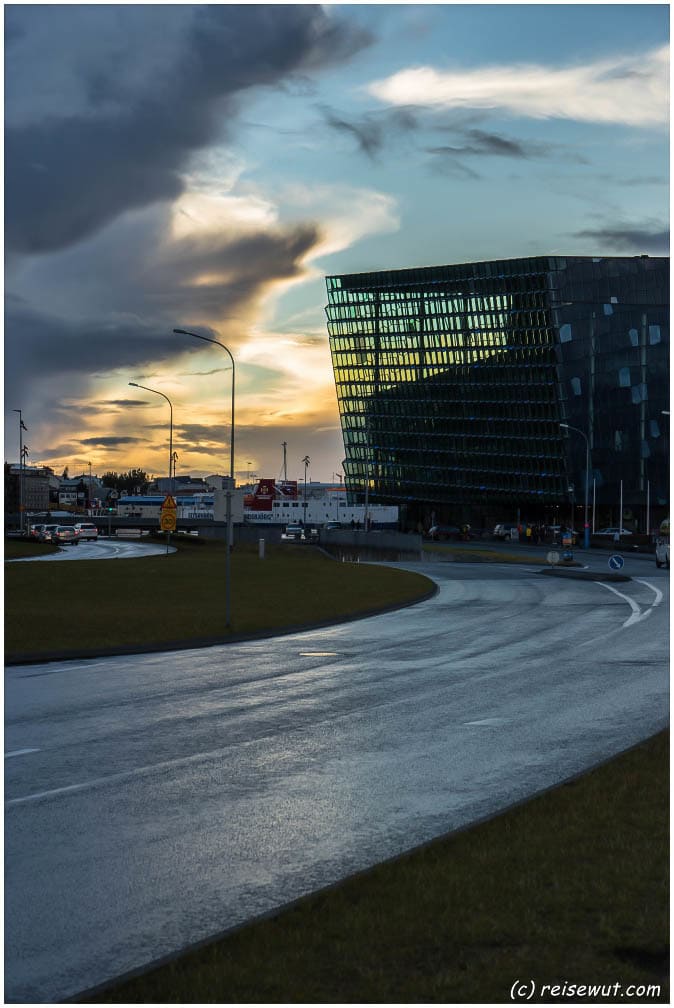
(260, 544)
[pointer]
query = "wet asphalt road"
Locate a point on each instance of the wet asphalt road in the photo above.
(152, 801)
(100, 549)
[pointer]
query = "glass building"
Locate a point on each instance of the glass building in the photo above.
(453, 383)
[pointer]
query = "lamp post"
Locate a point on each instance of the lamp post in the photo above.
(22, 428)
(90, 508)
(306, 460)
(157, 392)
(228, 497)
(586, 526)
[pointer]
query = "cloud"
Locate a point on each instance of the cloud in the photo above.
(374, 129)
(482, 143)
(652, 240)
(630, 90)
(110, 442)
(93, 155)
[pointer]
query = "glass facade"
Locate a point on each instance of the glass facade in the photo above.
(452, 383)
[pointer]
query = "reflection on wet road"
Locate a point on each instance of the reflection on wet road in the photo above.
(154, 800)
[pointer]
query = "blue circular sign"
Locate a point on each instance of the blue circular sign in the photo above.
(615, 562)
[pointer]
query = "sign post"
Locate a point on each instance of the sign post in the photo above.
(168, 518)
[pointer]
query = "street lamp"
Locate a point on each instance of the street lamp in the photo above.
(157, 392)
(228, 497)
(586, 529)
(22, 428)
(306, 460)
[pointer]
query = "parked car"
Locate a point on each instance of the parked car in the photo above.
(504, 531)
(293, 533)
(35, 530)
(332, 525)
(86, 530)
(45, 535)
(662, 552)
(662, 545)
(64, 534)
(612, 532)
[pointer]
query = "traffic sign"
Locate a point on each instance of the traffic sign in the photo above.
(553, 557)
(169, 503)
(615, 562)
(167, 521)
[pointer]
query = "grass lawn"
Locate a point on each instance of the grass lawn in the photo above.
(16, 549)
(569, 887)
(89, 604)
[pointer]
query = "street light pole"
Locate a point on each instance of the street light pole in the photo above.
(22, 428)
(91, 502)
(228, 497)
(157, 392)
(586, 526)
(306, 460)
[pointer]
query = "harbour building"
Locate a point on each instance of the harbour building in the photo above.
(490, 391)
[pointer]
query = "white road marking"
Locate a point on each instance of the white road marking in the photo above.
(658, 593)
(19, 752)
(637, 614)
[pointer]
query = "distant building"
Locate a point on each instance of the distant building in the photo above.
(36, 482)
(453, 383)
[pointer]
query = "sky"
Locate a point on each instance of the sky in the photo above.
(205, 168)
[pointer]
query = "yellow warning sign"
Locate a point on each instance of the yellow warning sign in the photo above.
(169, 503)
(167, 521)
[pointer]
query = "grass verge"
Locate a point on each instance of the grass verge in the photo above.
(571, 887)
(88, 604)
(17, 549)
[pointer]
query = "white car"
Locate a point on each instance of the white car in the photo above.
(613, 532)
(86, 530)
(294, 533)
(504, 531)
(662, 552)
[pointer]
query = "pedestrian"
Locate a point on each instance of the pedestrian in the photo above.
(528, 534)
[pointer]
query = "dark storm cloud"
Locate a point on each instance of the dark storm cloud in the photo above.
(110, 442)
(201, 437)
(40, 345)
(67, 176)
(626, 238)
(123, 403)
(167, 295)
(375, 129)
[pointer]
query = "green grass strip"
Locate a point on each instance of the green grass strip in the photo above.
(571, 887)
(147, 602)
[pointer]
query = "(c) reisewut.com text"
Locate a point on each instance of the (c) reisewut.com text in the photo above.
(526, 990)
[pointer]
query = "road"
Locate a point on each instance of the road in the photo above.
(152, 801)
(100, 549)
